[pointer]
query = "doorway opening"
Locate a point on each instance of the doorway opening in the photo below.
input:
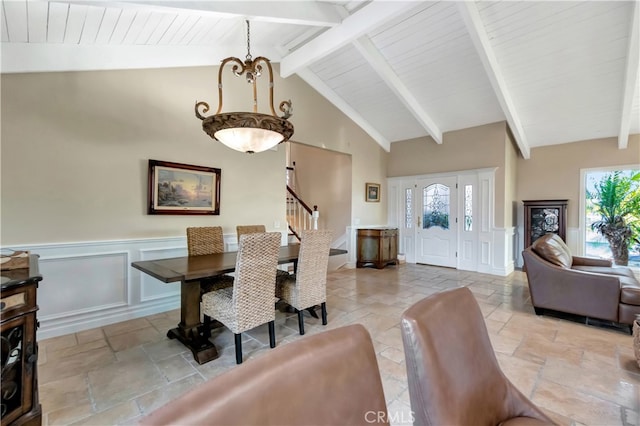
(447, 219)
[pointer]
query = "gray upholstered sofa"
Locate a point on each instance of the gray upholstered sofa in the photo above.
(582, 286)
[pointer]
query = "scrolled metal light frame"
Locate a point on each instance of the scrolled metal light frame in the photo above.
(251, 69)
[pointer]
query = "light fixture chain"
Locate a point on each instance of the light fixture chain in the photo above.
(248, 41)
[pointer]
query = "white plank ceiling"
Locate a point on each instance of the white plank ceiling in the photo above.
(557, 72)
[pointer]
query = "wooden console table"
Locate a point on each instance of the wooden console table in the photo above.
(377, 246)
(20, 405)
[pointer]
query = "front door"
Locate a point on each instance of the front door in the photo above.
(436, 241)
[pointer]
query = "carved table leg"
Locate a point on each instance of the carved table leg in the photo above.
(187, 331)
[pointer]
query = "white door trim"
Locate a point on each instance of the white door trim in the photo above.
(480, 244)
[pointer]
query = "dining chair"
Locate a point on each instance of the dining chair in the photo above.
(307, 287)
(250, 302)
(252, 229)
(202, 240)
(205, 240)
(453, 374)
(249, 229)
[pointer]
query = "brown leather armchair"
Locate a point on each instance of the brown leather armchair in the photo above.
(454, 376)
(329, 378)
(577, 285)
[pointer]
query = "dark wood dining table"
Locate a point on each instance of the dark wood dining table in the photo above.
(190, 270)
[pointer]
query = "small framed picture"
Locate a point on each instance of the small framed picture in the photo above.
(176, 188)
(372, 192)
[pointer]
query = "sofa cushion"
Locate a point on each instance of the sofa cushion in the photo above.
(551, 248)
(629, 291)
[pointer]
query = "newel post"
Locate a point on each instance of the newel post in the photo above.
(315, 215)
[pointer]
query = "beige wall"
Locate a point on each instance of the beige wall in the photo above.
(553, 172)
(467, 149)
(75, 147)
(325, 127)
(323, 177)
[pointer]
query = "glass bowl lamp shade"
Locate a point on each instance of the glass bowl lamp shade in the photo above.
(249, 132)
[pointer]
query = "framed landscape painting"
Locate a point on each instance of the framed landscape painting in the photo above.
(176, 188)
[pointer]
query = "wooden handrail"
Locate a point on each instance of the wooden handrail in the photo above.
(299, 214)
(306, 207)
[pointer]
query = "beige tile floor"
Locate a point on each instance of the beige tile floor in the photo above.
(578, 374)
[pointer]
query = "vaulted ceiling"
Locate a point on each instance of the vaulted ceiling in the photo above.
(556, 71)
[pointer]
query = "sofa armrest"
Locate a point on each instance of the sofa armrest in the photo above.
(573, 291)
(590, 261)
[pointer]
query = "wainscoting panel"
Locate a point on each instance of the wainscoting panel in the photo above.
(485, 257)
(92, 284)
(83, 283)
(152, 288)
(503, 260)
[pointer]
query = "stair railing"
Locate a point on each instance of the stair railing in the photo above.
(299, 214)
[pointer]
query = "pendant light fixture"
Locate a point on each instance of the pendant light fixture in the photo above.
(248, 132)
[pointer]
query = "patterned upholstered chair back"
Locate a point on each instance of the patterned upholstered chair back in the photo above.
(205, 240)
(311, 276)
(251, 300)
(308, 286)
(249, 229)
(255, 283)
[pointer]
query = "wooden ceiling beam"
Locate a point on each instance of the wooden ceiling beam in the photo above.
(630, 86)
(478, 34)
(388, 75)
(354, 26)
(282, 12)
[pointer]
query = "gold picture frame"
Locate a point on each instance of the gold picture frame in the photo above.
(372, 192)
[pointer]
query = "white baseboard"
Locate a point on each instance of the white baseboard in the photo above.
(495, 254)
(74, 323)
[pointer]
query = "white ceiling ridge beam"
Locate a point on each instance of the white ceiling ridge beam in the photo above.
(314, 81)
(478, 34)
(354, 26)
(630, 86)
(44, 57)
(366, 47)
(282, 12)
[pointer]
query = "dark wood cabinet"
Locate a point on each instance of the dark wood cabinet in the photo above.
(377, 246)
(542, 217)
(20, 405)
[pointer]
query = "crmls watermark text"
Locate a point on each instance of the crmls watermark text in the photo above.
(398, 417)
